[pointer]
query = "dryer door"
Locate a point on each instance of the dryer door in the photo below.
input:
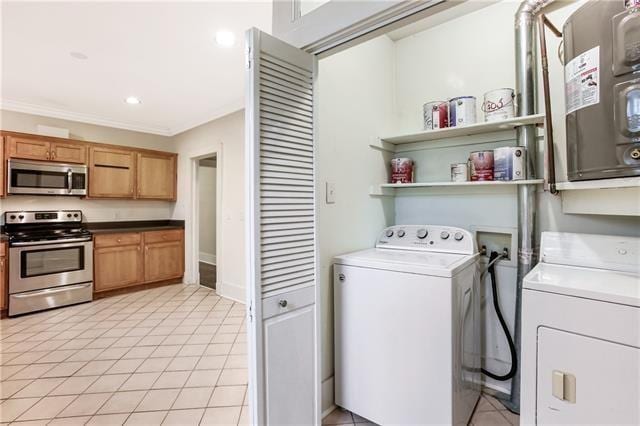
(583, 380)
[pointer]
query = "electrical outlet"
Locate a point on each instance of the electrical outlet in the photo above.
(331, 192)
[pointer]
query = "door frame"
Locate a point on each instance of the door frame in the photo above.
(195, 213)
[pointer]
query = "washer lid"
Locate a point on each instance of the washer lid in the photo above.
(589, 283)
(424, 263)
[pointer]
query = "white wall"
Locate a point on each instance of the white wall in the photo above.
(207, 211)
(225, 137)
(355, 106)
(94, 210)
(469, 56)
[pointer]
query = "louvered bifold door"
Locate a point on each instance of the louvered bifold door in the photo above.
(281, 243)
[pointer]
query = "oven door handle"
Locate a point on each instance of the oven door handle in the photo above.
(51, 242)
(50, 290)
(70, 180)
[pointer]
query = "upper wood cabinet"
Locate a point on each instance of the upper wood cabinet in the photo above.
(45, 150)
(156, 176)
(111, 173)
(28, 148)
(68, 152)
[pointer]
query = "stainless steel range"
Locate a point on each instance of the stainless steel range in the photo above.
(51, 260)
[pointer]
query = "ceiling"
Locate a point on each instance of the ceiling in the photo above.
(164, 53)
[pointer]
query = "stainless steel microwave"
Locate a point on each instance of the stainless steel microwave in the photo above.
(46, 178)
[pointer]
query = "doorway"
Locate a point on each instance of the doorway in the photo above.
(207, 224)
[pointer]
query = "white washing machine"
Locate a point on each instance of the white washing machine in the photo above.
(581, 332)
(407, 330)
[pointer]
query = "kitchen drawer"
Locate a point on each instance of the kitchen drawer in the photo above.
(162, 236)
(112, 240)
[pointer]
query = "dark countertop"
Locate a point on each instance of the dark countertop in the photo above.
(133, 226)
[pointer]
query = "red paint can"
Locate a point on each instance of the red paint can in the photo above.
(440, 115)
(401, 170)
(481, 165)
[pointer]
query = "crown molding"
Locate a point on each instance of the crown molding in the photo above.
(28, 108)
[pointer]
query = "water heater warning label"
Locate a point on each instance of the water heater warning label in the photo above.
(582, 80)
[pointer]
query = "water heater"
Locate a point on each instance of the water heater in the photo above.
(602, 90)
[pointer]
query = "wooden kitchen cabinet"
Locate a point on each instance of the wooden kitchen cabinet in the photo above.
(3, 168)
(163, 255)
(111, 173)
(68, 152)
(156, 176)
(118, 261)
(128, 259)
(28, 148)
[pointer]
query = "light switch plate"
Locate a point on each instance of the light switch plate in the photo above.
(331, 192)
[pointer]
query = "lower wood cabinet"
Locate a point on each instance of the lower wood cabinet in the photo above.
(127, 259)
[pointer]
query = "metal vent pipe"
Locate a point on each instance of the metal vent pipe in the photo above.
(526, 100)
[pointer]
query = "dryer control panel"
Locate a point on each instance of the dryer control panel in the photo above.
(444, 239)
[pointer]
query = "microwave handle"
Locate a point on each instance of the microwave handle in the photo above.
(70, 180)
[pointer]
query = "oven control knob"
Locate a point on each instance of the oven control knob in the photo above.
(401, 233)
(422, 233)
(444, 235)
(458, 236)
(389, 233)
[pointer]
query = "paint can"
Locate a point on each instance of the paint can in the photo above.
(499, 105)
(459, 172)
(509, 163)
(462, 111)
(401, 170)
(440, 115)
(427, 111)
(481, 165)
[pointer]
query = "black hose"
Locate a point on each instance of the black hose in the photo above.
(496, 306)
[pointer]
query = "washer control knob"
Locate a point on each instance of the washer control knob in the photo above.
(458, 236)
(21, 217)
(401, 233)
(422, 233)
(12, 217)
(444, 235)
(68, 214)
(389, 233)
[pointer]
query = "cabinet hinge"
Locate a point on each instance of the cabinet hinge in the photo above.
(248, 58)
(251, 312)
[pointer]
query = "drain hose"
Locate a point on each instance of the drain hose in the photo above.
(512, 347)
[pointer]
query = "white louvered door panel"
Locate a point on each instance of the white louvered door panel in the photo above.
(281, 205)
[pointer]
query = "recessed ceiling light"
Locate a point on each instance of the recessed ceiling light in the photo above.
(225, 38)
(78, 55)
(132, 100)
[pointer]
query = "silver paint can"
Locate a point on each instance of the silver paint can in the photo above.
(499, 105)
(459, 172)
(510, 163)
(462, 111)
(481, 165)
(427, 113)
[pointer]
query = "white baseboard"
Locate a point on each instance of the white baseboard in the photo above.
(207, 258)
(231, 291)
(327, 397)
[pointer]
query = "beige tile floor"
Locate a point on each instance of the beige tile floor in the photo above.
(173, 355)
(489, 412)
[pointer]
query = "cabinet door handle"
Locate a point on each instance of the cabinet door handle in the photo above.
(48, 155)
(53, 155)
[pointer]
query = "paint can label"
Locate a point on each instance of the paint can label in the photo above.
(462, 111)
(459, 172)
(401, 170)
(481, 165)
(440, 115)
(509, 163)
(499, 105)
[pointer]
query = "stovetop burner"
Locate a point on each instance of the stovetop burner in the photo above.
(44, 226)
